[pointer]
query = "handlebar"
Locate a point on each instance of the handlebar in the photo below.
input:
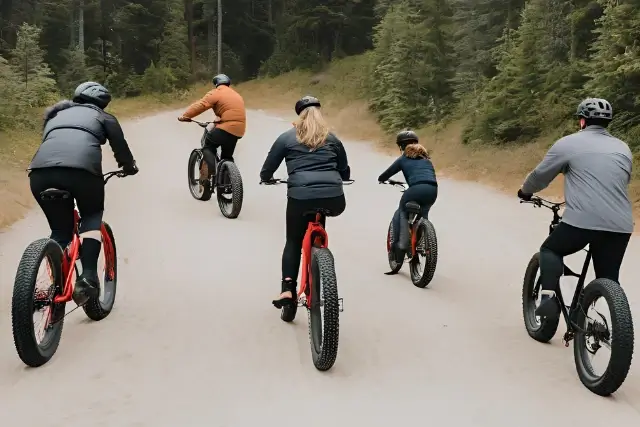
(395, 183)
(276, 181)
(539, 202)
(119, 173)
(201, 124)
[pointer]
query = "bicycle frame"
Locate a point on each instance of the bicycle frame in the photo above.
(72, 253)
(315, 236)
(412, 217)
(568, 314)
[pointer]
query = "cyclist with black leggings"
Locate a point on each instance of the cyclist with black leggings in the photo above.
(70, 158)
(420, 175)
(597, 170)
(317, 164)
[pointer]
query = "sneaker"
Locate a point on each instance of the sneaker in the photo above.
(86, 288)
(549, 305)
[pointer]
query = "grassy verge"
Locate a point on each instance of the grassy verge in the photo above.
(342, 89)
(18, 146)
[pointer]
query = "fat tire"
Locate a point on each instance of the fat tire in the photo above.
(206, 187)
(324, 344)
(393, 264)
(548, 327)
(94, 309)
(22, 303)
(621, 338)
(235, 179)
(425, 228)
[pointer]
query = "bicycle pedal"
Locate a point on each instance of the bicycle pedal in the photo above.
(341, 304)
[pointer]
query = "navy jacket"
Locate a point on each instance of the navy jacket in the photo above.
(73, 136)
(416, 168)
(314, 174)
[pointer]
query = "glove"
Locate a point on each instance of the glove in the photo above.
(184, 119)
(524, 196)
(131, 169)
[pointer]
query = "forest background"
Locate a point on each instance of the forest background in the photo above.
(490, 84)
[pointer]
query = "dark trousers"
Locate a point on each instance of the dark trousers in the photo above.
(218, 138)
(297, 226)
(423, 194)
(607, 249)
(88, 191)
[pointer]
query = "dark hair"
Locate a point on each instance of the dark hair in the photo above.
(597, 122)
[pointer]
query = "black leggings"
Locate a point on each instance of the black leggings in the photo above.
(297, 225)
(86, 188)
(607, 249)
(218, 138)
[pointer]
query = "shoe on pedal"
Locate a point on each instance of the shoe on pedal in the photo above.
(549, 305)
(86, 287)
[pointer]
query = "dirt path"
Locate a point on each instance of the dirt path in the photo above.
(193, 339)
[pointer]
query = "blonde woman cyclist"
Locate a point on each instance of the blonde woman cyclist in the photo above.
(317, 164)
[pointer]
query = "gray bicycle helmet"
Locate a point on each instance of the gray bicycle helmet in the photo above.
(92, 93)
(595, 108)
(405, 137)
(306, 102)
(221, 79)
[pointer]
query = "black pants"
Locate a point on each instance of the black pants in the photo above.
(297, 225)
(423, 194)
(86, 188)
(607, 249)
(218, 138)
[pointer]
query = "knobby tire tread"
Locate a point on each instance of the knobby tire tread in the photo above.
(622, 337)
(428, 230)
(325, 359)
(206, 193)
(93, 308)
(548, 327)
(393, 264)
(235, 179)
(22, 302)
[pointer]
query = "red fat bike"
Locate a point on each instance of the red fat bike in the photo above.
(424, 244)
(36, 345)
(318, 291)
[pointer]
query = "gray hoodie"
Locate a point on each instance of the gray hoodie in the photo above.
(597, 170)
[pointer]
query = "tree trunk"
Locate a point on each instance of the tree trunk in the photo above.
(192, 38)
(219, 36)
(81, 26)
(211, 37)
(270, 12)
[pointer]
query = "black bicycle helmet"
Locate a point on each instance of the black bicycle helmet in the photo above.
(405, 137)
(306, 102)
(595, 108)
(221, 79)
(92, 93)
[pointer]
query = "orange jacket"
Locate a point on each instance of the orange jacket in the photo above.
(227, 104)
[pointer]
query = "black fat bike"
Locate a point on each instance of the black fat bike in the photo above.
(589, 334)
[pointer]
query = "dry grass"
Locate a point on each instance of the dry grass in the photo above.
(18, 146)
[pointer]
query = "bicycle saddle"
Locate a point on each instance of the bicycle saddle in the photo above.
(54, 193)
(413, 207)
(323, 211)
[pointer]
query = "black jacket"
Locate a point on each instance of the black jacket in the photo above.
(312, 174)
(73, 135)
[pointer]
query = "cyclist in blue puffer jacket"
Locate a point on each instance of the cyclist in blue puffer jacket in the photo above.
(419, 173)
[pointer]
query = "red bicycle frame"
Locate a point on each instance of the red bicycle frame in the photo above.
(413, 241)
(320, 240)
(70, 257)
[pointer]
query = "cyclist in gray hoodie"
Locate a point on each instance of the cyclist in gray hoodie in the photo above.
(598, 213)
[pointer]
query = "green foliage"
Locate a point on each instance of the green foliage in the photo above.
(413, 66)
(10, 92)
(157, 80)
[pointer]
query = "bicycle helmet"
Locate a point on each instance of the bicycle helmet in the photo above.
(405, 137)
(306, 102)
(92, 93)
(221, 79)
(595, 108)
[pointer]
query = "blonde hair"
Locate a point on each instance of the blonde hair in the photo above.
(311, 128)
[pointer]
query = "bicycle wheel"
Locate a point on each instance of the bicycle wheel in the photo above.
(324, 327)
(618, 337)
(394, 265)
(200, 189)
(27, 300)
(229, 192)
(427, 248)
(100, 307)
(541, 330)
